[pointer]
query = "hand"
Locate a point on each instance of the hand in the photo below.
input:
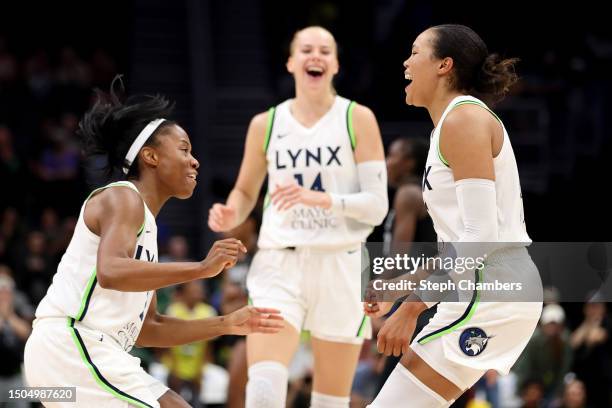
(285, 197)
(221, 218)
(374, 305)
(223, 254)
(377, 309)
(251, 319)
(395, 334)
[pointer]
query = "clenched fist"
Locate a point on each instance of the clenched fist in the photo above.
(223, 254)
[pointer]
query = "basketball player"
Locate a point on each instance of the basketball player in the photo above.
(102, 300)
(472, 191)
(324, 159)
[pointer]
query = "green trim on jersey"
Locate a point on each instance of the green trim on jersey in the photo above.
(349, 123)
(467, 315)
(271, 114)
(482, 105)
(362, 326)
(140, 230)
(267, 201)
(93, 279)
(95, 372)
(91, 284)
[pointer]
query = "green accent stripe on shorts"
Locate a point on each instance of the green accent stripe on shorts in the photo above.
(349, 124)
(91, 284)
(271, 114)
(482, 105)
(362, 326)
(465, 317)
(102, 382)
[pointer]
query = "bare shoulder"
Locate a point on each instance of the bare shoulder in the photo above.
(367, 135)
(114, 204)
(260, 121)
(469, 122)
(363, 115)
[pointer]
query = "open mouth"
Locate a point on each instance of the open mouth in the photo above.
(192, 177)
(408, 76)
(315, 72)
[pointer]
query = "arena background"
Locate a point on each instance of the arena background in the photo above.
(223, 61)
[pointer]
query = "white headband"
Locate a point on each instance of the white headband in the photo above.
(140, 140)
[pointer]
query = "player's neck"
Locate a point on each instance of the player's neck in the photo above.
(151, 193)
(310, 105)
(439, 104)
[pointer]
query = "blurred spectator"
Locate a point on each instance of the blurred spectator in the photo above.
(72, 70)
(591, 343)
(185, 363)
(10, 233)
(575, 396)
(38, 75)
(548, 355)
(12, 172)
(8, 64)
(177, 251)
(49, 226)
(532, 394)
(15, 327)
(34, 267)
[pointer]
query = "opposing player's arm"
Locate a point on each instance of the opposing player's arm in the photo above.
(165, 331)
(243, 197)
(116, 215)
(408, 204)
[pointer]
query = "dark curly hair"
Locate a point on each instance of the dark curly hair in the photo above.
(110, 127)
(475, 70)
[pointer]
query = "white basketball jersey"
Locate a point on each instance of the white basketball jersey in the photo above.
(319, 158)
(75, 292)
(441, 198)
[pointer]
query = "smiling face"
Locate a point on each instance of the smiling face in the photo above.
(313, 60)
(423, 70)
(171, 157)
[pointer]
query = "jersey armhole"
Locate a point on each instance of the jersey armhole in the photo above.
(349, 123)
(440, 156)
(114, 184)
(269, 126)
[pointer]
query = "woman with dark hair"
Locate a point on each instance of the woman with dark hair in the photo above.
(102, 300)
(472, 191)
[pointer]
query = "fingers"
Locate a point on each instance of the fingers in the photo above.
(267, 322)
(371, 309)
(266, 310)
(392, 346)
(231, 244)
(219, 216)
(285, 197)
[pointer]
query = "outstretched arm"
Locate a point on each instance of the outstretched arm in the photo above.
(165, 331)
(243, 197)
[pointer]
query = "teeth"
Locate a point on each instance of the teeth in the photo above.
(314, 69)
(408, 76)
